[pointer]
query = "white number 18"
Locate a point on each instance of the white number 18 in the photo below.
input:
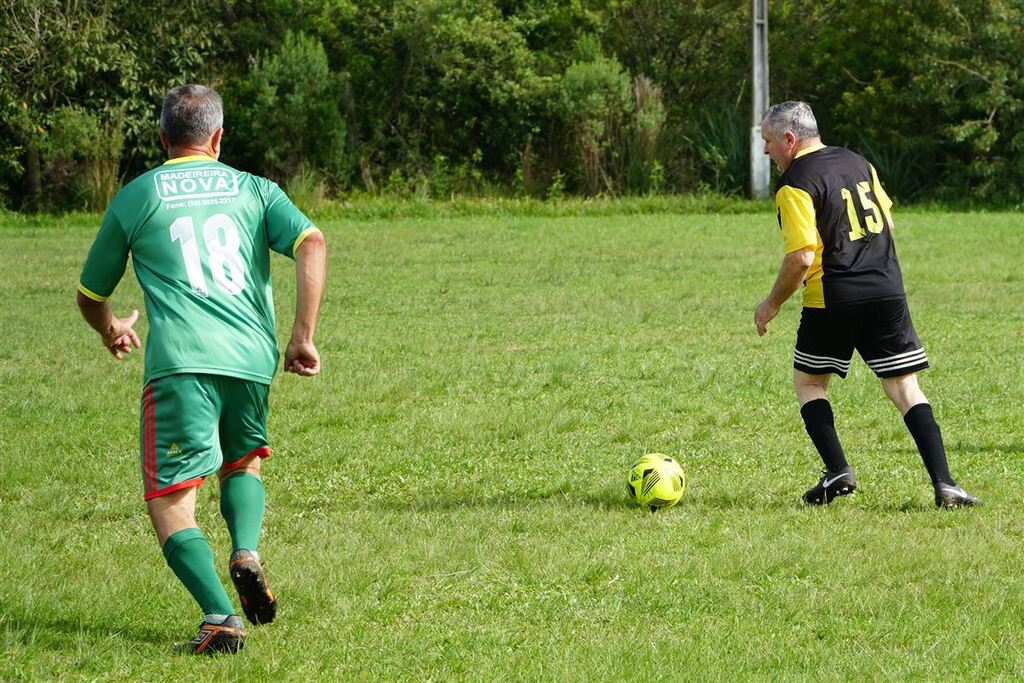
(225, 261)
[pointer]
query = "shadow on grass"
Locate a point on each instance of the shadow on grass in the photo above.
(607, 499)
(959, 448)
(512, 502)
(911, 505)
(862, 502)
(760, 502)
(718, 501)
(59, 633)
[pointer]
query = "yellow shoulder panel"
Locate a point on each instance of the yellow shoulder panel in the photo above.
(797, 218)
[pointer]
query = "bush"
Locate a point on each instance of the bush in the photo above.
(596, 100)
(81, 153)
(296, 119)
(900, 168)
(431, 98)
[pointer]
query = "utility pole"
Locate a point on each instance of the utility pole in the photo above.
(760, 171)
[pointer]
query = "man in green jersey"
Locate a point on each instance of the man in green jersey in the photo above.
(200, 235)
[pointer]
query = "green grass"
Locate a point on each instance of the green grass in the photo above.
(446, 502)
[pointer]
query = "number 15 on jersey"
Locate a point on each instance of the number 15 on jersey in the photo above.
(873, 220)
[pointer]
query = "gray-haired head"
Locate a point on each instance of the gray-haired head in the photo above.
(792, 116)
(190, 114)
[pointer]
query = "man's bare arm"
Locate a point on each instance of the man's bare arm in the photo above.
(791, 273)
(301, 356)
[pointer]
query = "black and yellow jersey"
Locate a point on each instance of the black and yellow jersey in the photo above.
(830, 199)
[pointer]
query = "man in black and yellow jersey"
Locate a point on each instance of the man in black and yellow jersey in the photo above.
(837, 228)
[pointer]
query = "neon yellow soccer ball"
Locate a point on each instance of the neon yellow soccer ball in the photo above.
(656, 482)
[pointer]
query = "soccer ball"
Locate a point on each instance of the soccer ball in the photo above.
(656, 482)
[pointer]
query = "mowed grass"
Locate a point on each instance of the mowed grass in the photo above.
(446, 501)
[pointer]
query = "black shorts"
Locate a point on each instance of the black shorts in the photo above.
(881, 331)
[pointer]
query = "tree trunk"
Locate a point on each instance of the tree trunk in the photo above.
(34, 177)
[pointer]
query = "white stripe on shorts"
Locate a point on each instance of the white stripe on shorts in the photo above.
(813, 361)
(902, 360)
(827, 365)
(904, 366)
(887, 359)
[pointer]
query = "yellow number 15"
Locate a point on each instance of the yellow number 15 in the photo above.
(873, 220)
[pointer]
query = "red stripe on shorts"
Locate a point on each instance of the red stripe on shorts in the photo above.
(149, 438)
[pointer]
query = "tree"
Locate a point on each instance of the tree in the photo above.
(111, 59)
(296, 116)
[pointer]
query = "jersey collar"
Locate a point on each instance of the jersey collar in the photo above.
(190, 157)
(808, 150)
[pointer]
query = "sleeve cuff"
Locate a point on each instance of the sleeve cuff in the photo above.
(790, 249)
(91, 294)
(302, 237)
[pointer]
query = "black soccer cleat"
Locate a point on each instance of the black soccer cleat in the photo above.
(258, 602)
(831, 486)
(954, 496)
(227, 636)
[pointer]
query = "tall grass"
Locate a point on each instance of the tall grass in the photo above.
(723, 143)
(308, 189)
(644, 149)
(901, 169)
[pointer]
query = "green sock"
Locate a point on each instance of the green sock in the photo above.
(188, 554)
(242, 498)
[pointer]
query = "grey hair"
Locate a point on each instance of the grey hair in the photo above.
(190, 114)
(796, 117)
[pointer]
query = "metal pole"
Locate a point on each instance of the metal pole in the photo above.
(760, 171)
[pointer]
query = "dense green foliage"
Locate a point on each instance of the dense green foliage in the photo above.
(446, 500)
(430, 98)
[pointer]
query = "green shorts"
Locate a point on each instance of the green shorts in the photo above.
(192, 425)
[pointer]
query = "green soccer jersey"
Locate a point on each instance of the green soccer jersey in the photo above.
(200, 235)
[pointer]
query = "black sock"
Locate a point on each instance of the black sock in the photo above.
(928, 437)
(821, 428)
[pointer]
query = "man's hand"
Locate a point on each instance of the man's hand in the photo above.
(764, 313)
(119, 337)
(794, 269)
(116, 333)
(302, 358)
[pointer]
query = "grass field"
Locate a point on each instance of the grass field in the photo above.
(446, 501)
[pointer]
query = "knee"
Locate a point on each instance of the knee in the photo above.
(172, 513)
(810, 387)
(904, 391)
(250, 466)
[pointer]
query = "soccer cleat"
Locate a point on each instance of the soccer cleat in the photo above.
(258, 602)
(226, 636)
(831, 486)
(954, 496)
